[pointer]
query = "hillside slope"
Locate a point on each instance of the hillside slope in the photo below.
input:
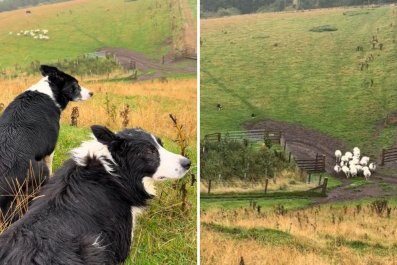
(273, 66)
(81, 26)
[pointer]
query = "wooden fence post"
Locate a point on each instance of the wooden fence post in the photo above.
(289, 157)
(309, 178)
(285, 145)
(382, 159)
(209, 186)
(219, 137)
(319, 180)
(266, 183)
(324, 189)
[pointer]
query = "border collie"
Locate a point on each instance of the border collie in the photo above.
(29, 129)
(83, 215)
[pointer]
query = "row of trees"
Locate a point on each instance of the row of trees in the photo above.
(7, 5)
(230, 7)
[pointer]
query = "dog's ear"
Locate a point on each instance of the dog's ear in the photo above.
(103, 134)
(48, 70)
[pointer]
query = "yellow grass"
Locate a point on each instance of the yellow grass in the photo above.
(322, 226)
(222, 250)
(150, 103)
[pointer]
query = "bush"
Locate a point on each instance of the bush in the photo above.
(236, 160)
(324, 28)
(224, 12)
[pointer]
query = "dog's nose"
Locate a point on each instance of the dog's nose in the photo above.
(186, 163)
(91, 94)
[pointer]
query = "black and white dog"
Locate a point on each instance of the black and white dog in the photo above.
(29, 129)
(83, 215)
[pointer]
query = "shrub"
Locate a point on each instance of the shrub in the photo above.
(379, 206)
(324, 28)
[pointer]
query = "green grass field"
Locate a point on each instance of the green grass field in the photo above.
(79, 27)
(274, 66)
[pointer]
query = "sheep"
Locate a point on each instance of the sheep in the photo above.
(349, 155)
(353, 171)
(344, 159)
(346, 171)
(364, 160)
(372, 167)
(366, 172)
(18, 34)
(342, 163)
(337, 169)
(10, 33)
(354, 161)
(356, 152)
(359, 168)
(45, 31)
(338, 155)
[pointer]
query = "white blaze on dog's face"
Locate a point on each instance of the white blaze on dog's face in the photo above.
(171, 166)
(85, 94)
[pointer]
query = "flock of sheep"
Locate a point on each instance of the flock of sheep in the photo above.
(353, 164)
(38, 34)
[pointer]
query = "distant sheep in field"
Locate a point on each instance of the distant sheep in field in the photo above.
(37, 34)
(346, 171)
(219, 106)
(338, 155)
(353, 164)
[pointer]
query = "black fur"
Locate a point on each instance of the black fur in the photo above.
(86, 204)
(29, 129)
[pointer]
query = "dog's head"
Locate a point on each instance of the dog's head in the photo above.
(60, 86)
(141, 153)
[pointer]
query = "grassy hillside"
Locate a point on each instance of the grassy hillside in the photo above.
(81, 26)
(272, 65)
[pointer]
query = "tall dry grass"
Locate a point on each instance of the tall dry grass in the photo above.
(150, 102)
(349, 234)
(223, 250)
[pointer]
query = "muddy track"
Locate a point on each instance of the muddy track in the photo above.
(155, 69)
(150, 68)
(304, 142)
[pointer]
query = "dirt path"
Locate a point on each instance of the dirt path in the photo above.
(189, 26)
(153, 69)
(306, 143)
(156, 69)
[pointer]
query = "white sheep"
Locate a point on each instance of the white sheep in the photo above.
(337, 169)
(366, 172)
(359, 168)
(353, 171)
(45, 31)
(346, 171)
(18, 34)
(364, 160)
(372, 166)
(356, 152)
(349, 155)
(338, 155)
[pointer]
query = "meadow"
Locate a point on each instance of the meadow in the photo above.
(82, 26)
(271, 65)
(345, 233)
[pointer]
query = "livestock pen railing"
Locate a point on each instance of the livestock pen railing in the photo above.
(249, 135)
(316, 165)
(388, 156)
